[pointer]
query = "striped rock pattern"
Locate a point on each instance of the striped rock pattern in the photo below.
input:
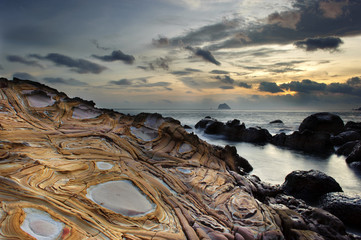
(71, 171)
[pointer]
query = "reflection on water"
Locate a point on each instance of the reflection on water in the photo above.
(272, 164)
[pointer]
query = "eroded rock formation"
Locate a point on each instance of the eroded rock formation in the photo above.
(71, 171)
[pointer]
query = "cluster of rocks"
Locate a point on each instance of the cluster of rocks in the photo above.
(320, 133)
(317, 188)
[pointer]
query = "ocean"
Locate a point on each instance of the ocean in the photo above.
(272, 163)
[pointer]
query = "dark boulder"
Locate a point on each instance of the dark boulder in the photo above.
(355, 155)
(234, 131)
(345, 137)
(308, 141)
(322, 122)
(255, 135)
(276, 121)
(204, 122)
(309, 185)
(346, 149)
(234, 123)
(234, 161)
(346, 207)
(353, 126)
(187, 127)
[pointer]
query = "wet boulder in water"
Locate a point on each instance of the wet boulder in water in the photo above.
(255, 135)
(345, 137)
(235, 131)
(309, 185)
(308, 141)
(344, 206)
(202, 124)
(355, 155)
(322, 122)
(353, 126)
(347, 148)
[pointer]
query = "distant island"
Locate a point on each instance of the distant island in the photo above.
(358, 109)
(224, 106)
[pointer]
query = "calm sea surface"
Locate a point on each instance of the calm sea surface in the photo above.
(272, 163)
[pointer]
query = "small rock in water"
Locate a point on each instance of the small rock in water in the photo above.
(276, 121)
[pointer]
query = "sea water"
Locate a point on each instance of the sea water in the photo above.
(272, 163)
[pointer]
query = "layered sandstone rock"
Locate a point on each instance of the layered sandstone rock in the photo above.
(71, 171)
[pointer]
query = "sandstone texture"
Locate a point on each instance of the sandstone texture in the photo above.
(71, 171)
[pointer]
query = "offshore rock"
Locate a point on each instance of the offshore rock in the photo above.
(223, 106)
(309, 185)
(322, 122)
(71, 171)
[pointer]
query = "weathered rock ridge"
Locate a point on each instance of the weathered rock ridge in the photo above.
(71, 171)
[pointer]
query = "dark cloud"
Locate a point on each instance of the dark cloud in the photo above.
(19, 59)
(192, 70)
(244, 85)
(207, 33)
(76, 65)
(180, 73)
(140, 83)
(340, 88)
(271, 87)
(116, 56)
(226, 87)
(307, 19)
(160, 63)
(333, 9)
(219, 72)
(161, 41)
(286, 19)
(225, 79)
(62, 81)
(205, 54)
(354, 81)
(351, 87)
(24, 76)
(186, 71)
(142, 67)
(325, 43)
(98, 46)
(121, 82)
(304, 86)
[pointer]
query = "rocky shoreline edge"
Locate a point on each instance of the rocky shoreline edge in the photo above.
(320, 133)
(69, 170)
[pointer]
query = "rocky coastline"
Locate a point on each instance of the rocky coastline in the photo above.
(320, 133)
(69, 170)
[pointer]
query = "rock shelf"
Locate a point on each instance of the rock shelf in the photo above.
(71, 171)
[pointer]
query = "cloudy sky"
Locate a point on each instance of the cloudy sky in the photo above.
(251, 54)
